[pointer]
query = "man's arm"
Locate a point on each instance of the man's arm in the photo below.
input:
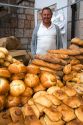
(59, 43)
(33, 43)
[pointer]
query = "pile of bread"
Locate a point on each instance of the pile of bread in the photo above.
(49, 91)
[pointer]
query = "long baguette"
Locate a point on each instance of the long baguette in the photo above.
(51, 58)
(65, 51)
(46, 64)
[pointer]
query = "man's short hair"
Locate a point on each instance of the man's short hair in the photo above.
(46, 8)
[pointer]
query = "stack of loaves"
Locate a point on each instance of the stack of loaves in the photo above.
(49, 91)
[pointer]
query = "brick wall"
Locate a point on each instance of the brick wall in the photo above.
(19, 23)
(78, 21)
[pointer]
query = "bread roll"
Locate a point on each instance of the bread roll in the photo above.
(53, 99)
(39, 93)
(49, 122)
(17, 87)
(6, 64)
(32, 120)
(40, 87)
(16, 114)
(68, 77)
(77, 41)
(78, 88)
(4, 86)
(73, 47)
(73, 102)
(67, 69)
(4, 73)
(52, 89)
(4, 50)
(43, 69)
(5, 118)
(79, 113)
(70, 91)
(31, 80)
(47, 79)
(31, 68)
(75, 122)
(18, 76)
(28, 92)
(27, 111)
(2, 55)
(52, 114)
(9, 58)
(77, 67)
(67, 112)
(17, 68)
(42, 100)
(74, 62)
(60, 94)
(13, 101)
(24, 100)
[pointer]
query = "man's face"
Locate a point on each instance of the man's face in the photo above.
(46, 16)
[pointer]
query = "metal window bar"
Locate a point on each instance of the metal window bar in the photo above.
(25, 7)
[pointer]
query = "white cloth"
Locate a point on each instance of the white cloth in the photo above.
(46, 39)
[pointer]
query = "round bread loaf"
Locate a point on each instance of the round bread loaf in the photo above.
(31, 80)
(4, 86)
(17, 68)
(4, 73)
(17, 87)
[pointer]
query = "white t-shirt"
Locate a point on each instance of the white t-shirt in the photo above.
(46, 39)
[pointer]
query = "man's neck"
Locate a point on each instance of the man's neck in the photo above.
(47, 24)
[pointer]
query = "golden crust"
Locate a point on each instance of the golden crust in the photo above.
(47, 79)
(67, 112)
(49, 122)
(60, 94)
(2, 102)
(31, 80)
(28, 92)
(40, 87)
(67, 69)
(42, 100)
(5, 118)
(34, 69)
(46, 64)
(17, 68)
(77, 41)
(74, 101)
(50, 58)
(4, 73)
(74, 61)
(17, 87)
(75, 122)
(4, 86)
(16, 114)
(53, 115)
(13, 101)
(18, 76)
(79, 113)
(65, 51)
(70, 91)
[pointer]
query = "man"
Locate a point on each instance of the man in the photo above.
(46, 35)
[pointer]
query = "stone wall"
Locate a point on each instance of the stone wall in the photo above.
(19, 23)
(78, 21)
